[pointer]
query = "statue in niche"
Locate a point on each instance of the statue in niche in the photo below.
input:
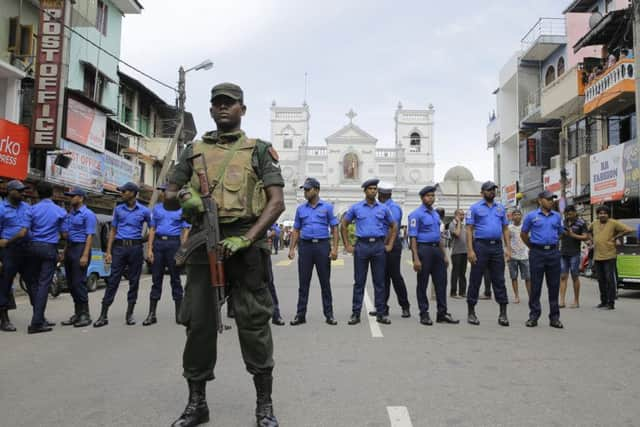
(350, 166)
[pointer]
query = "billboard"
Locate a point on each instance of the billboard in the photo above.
(509, 195)
(607, 175)
(552, 180)
(85, 125)
(86, 169)
(118, 170)
(14, 150)
(631, 161)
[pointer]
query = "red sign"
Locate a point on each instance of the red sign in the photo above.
(14, 150)
(48, 72)
(531, 151)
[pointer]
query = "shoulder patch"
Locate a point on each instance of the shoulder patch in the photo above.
(273, 153)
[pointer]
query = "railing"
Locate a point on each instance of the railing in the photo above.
(621, 71)
(386, 153)
(544, 27)
(316, 151)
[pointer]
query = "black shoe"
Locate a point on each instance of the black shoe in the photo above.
(531, 323)
(298, 320)
(74, 317)
(556, 323)
(425, 319)
(5, 322)
(471, 316)
(611, 307)
(178, 305)
(446, 318)
(406, 313)
(197, 411)
(502, 318)
(383, 319)
(39, 328)
(373, 313)
(602, 305)
(151, 318)
(129, 319)
(277, 320)
(84, 318)
(49, 323)
(331, 321)
(102, 320)
(264, 405)
(354, 319)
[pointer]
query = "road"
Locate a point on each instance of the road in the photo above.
(399, 375)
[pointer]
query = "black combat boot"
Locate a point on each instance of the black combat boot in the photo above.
(151, 318)
(102, 320)
(5, 322)
(197, 411)
(264, 406)
(74, 317)
(84, 318)
(471, 316)
(130, 320)
(178, 305)
(502, 319)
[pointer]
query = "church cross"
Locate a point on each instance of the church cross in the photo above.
(351, 114)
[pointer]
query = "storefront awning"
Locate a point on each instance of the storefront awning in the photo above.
(605, 30)
(8, 71)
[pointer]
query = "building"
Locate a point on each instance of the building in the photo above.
(351, 155)
(458, 190)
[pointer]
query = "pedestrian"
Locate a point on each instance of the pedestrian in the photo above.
(486, 230)
(519, 256)
(14, 242)
(458, 255)
(250, 198)
(315, 234)
(124, 250)
(604, 232)
(393, 271)
(276, 317)
(541, 232)
(429, 257)
(371, 244)
(570, 251)
(167, 230)
(78, 230)
(45, 220)
(275, 237)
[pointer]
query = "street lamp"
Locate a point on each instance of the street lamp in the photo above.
(182, 94)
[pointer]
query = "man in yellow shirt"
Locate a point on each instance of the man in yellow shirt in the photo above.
(604, 232)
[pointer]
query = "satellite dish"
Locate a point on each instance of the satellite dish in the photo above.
(594, 19)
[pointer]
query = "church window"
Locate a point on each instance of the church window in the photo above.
(350, 166)
(288, 143)
(415, 142)
(287, 135)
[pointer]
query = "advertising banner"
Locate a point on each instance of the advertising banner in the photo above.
(607, 175)
(118, 170)
(509, 195)
(85, 125)
(86, 169)
(631, 160)
(14, 150)
(551, 180)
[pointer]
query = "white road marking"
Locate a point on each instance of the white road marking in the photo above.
(373, 325)
(284, 263)
(337, 263)
(399, 416)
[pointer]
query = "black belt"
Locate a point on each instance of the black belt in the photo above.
(490, 241)
(124, 242)
(432, 244)
(76, 243)
(314, 240)
(370, 239)
(167, 237)
(543, 247)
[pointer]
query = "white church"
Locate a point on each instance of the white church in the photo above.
(351, 155)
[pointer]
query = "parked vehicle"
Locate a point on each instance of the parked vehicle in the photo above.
(628, 260)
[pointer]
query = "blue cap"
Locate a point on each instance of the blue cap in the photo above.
(546, 194)
(370, 182)
(489, 185)
(15, 185)
(129, 186)
(161, 187)
(76, 191)
(310, 183)
(427, 189)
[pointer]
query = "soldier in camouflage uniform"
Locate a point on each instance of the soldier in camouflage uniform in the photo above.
(250, 198)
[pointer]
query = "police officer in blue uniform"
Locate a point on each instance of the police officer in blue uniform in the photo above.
(370, 217)
(78, 230)
(45, 220)
(124, 250)
(167, 231)
(316, 249)
(393, 259)
(14, 243)
(541, 231)
(487, 228)
(429, 257)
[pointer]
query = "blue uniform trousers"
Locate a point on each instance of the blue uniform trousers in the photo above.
(433, 265)
(316, 254)
(368, 253)
(490, 256)
(75, 274)
(44, 257)
(164, 252)
(15, 260)
(393, 273)
(122, 257)
(272, 288)
(544, 264)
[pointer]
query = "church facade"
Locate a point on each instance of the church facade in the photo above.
(351, 155)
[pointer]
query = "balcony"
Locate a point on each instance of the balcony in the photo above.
(612, 91)
(493, 132)
(543, 39)
(316, 151)
(565, 96)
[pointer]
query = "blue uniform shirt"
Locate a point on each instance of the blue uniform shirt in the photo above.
(396, 212)
(167, 223)
(128, 222)
(370, 219)
(13, 219)
(276, 230)
(545, 229)
(45, 221)
(79, 224)
(424, 225)
(487, 221)
(314, 222)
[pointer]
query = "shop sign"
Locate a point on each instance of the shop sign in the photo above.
(607, 175)
(14, 150)
(86, 169)
(85, 125)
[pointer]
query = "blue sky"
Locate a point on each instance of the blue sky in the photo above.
(365, 55)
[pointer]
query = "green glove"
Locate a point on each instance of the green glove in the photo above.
(235, 244)
(190, 202)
